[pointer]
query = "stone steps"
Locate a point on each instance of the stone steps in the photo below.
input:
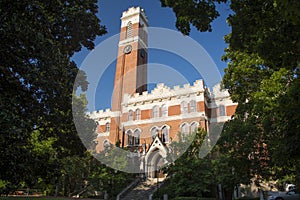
(141, 191)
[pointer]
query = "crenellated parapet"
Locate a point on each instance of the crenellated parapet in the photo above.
(133, 14)
(162, 92)
(100, 114)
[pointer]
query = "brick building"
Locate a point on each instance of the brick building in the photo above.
(147, 122)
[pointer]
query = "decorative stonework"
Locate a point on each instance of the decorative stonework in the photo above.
(135, 15)
(163, 92)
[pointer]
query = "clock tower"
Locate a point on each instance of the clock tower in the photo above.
(131, 66)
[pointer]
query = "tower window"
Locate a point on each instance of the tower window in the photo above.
(129, 30)
(193, 107)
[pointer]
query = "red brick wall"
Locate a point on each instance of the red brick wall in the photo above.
(174, 110)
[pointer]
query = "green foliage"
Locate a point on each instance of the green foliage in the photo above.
(189, 175)
(198, 13)
(36, 85)
(264, 78)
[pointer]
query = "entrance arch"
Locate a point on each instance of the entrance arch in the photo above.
(155, 158)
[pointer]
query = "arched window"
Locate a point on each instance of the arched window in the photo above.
(184, 128)
(129, 30)
(184, 107)
(155, 112)
(138, 114)
(137, 134)
(130, 115)
(222, 111)
(154, 132)
(164, 111)
(194, 127)
(107, 127)
(105, 143)
(193, 106)
(129, 137)
(165, 134)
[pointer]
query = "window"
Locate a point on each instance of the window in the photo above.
(129, 30)
(184, 107)
(130, 115)
(107, 127)
(164, 111)
(154, 132)
(222, 111)
(155, 112)
(184, 128)
(165, 134)
(138, 114)
(194, 127)
(137, 134)
(193, 107)
(129, 137)
(106, 143)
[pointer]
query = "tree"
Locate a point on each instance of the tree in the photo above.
(189, 175)
(37, 76)
(197, 13)
(263, 57)
(263, 71)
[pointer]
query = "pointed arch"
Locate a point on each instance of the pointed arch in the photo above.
(165, 133)
(129, 137)
(129, 30)
(194, 126)
(106, 143)
(154, 132)
(136, 140)
(107, 127)
(130, 115)
(184, 128)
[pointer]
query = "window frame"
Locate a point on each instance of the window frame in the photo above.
(184, 107)
(155, 111)
(193, 106)
(165, 135)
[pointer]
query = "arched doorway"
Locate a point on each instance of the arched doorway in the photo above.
(155, 159)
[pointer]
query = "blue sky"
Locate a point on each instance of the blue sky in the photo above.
(110, 12)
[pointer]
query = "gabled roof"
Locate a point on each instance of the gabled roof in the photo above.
(157, 144)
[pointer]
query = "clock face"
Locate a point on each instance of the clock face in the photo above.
(127, 49)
